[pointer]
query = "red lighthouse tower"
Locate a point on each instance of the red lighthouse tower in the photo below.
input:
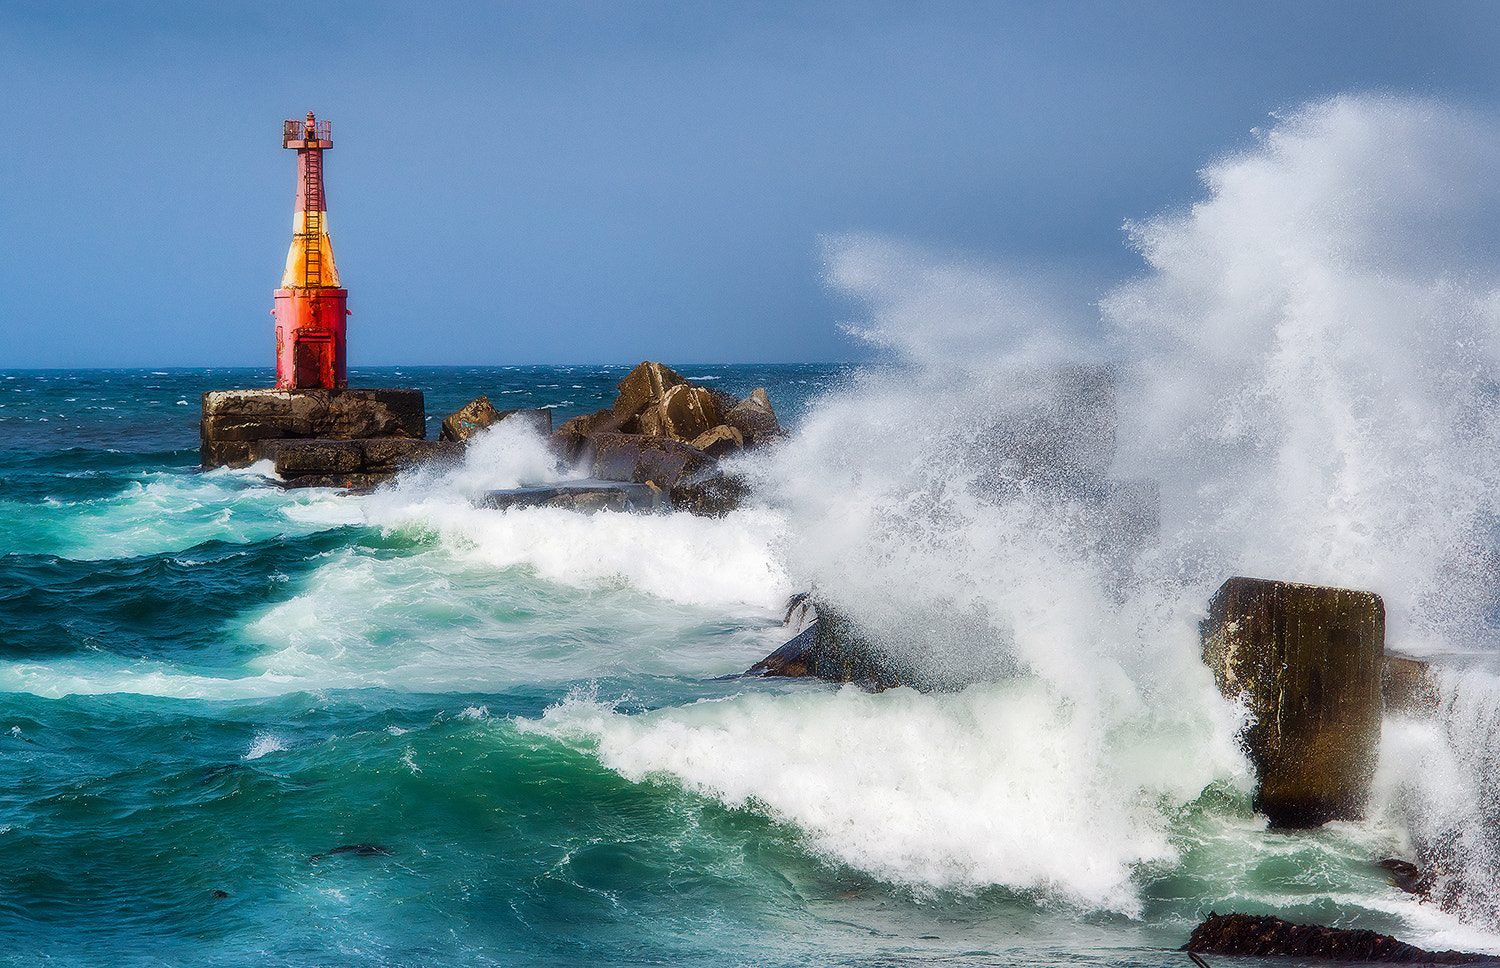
(310, 307)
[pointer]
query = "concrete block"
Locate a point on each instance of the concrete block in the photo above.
(643, 386)
(538, 419)
(1308, 661)
(232, 419)
(584, 495)
(661, 460)
(391, 454)
(478, 414)
(754, 418)
(295, 458)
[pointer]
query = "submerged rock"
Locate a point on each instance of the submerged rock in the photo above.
(581, 495)
(353, 850)
(1248, 936)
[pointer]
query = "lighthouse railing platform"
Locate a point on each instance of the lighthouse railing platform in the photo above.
(294, 134)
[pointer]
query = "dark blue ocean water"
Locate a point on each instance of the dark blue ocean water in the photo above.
(247, 726)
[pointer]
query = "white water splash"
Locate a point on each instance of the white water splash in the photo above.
(1308, 370)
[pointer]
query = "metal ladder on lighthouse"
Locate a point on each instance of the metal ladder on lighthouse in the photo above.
(312, 225)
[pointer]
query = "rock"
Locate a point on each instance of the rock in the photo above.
(1308, 661)
(913, 650)
(294, 458)
(643, 386)
(468, 420)
(800, 612)
(581, 495)
(685, 412)
(754, 418)
(724, 401)
(234, 422)
(1408, 687)
(834, 649)
(633, 457)
(794, 659)
(718, 441)
(651, 423)
(1248, 936)
(479, 415)
(393, 454)
(711, 495)
(1408, 876)
(570, 442)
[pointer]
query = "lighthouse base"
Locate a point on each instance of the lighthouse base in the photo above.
(236, 424)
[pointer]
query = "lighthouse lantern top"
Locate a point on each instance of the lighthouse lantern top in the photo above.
(308, 132)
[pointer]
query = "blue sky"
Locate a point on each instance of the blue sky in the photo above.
(570, 181)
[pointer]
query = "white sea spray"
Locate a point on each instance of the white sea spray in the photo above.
(1307, 370)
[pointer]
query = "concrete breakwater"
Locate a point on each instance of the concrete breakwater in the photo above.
(658, 446)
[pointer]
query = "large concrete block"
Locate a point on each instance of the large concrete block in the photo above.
(584, 495)
(391, 454)
(685, 412)
(474, 416)
(661, 460)
(754, 418)
(233, 421)
(643, 386)
(295, 458)
(1410, 687)
(1308, 661)
(539, 419)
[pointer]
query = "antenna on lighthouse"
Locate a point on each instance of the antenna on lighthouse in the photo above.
(311, 309)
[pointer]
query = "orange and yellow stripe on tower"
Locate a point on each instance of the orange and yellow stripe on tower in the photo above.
(309, 262)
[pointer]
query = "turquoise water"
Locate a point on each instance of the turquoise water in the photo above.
(242, 725)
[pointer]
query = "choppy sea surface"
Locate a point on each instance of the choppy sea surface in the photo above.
(242, 725)
(245, 725)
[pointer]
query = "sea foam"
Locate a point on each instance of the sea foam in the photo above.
(1307, 371)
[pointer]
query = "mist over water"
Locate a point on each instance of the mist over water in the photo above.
(1306, 369)
(1315, 345)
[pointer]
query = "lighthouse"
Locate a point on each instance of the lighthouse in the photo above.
(310, 307)
(312, 426)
